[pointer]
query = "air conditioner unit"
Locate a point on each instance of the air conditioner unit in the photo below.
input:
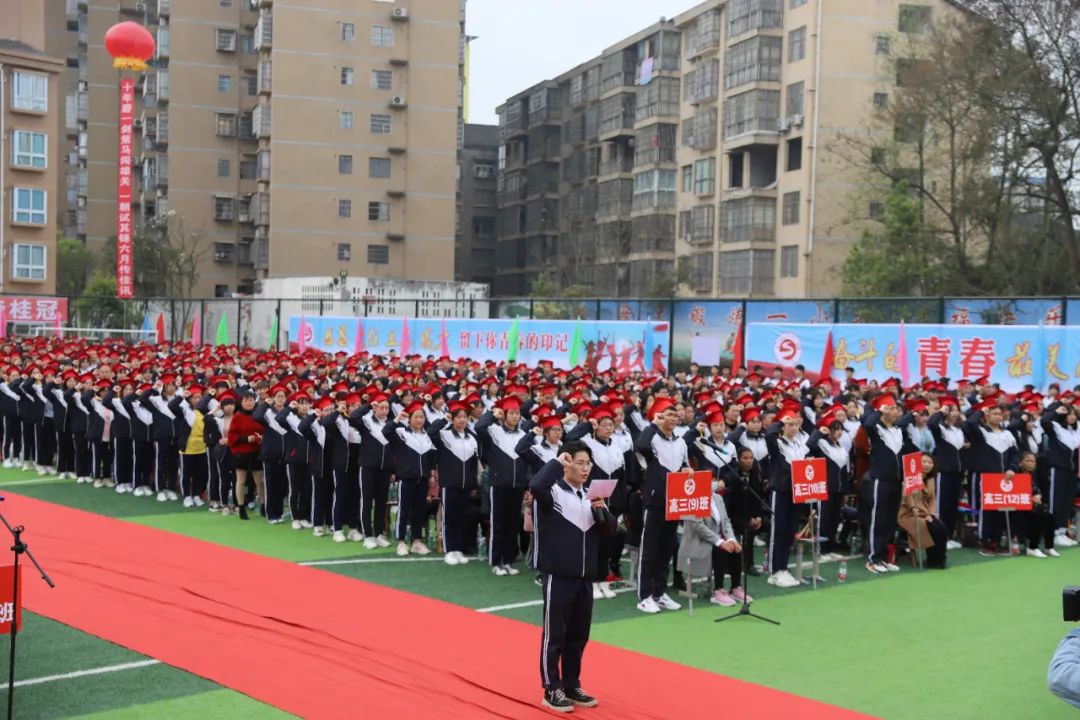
(400, 13)
(219, 256)
(783, 125)
(244, 218)
(797, 120)
(140, 7)
(397, 102)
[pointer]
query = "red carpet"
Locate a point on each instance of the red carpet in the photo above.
(321, 645)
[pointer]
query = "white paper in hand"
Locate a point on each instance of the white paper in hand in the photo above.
(602, 488)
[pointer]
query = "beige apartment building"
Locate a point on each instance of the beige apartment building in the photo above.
(277, 139)
(30, 150)
(703, 154)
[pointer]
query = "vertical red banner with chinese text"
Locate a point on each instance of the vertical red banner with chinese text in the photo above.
(10, 606)
(125, 286)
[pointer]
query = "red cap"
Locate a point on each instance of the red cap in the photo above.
(509, 403)
(551, 421)
(323, 402)
(882, 400)
(415, 406)
(715, 418)
(751, 413)
(660, 405)
(227, 396)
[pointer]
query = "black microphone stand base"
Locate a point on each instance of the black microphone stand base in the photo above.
(745, 610)
(748, 542)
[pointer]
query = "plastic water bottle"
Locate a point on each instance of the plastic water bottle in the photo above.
(841, 575)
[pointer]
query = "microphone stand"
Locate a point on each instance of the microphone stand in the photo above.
(748, 543)
(18, 548)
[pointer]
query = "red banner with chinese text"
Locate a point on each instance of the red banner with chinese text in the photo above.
(10, 606)
(125, 286)
(33, 310)
(1001, 493)
(913, 480)
(809, 480)
(689, 494)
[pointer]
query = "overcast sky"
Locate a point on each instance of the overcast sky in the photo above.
(521, 42)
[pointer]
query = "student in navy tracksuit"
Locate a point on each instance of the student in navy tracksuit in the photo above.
(313, 427)
(215, 432)
(825, 443)
(507, 476)
(80, 419)
(297, 470)
(376, 469)
(9, 405)
(414, 463)
(336, 448)
(881, 491)
(459, 473)
(120, 431)
(786, 444)
(947, 426)
(1062, 433)
(142, 438)
(568, 528)
(272, 453)
(993, 450)
(65, 451)
(166, 452)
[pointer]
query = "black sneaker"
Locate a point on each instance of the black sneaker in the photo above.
(579, 698)
(556, 700)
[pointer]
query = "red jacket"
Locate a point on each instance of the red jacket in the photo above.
(241, 426)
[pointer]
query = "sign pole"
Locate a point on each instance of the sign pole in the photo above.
(918, 536)
(1008, 529)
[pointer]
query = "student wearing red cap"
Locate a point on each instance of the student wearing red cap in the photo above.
(414, 464)
(947, 425)
(458, 468)
(9, 405)
(244, 438)
(825, 442)
(1059, 485)
(376, 468)
(297, 472)
(993, 450)
(166, 459)
(215, 436)
(499, 432)
(123, 447)
(880, 493)
(272, 452)
(98, 435)
(317, 427)
(786, 444)
(190, 427)
(541, 445)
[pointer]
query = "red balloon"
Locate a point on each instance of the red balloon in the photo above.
(129, 40)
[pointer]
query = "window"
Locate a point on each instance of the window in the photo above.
(346, 76)
(381, 124)
(702, 223)
(226, 40)
(251, 85)
(345, 119)
(747, 15)
(29, 206)
(344, 164)
(382, 79)
(746, 271)
(881, 100)
(247, 44)
(223, 208)
(28, 262)
(224, 252)
(378, 254)
(794, 154)
(791, 209)
(348, 31)
(877, 157)
(30, 91)
(875, 211)
(226, 124)
(248, 169)
(796, 48)
(687, 178)
(344, 208)
(912, 72)
(221, 291)
(908, 128)
(28, 149)
(915, 19)
(223, 168)
(382, 36)
(344, 252)
(378, 211)
(883, 45)
(789, 261)
(758, 58)
(754, 111)
(484, 171)
(795, 92)
(797, 3)
(224, 83)
(225, 3)
(685, 222)
(379, 167)
(705, 176)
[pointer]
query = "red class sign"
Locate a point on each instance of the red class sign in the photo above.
(913, 480)
(1001, 493)
(809, 480)
(689, 494)
(10, 607)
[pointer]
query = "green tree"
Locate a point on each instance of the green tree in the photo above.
(74, 265)
(99, 307)
(545, 289)
(903, 257)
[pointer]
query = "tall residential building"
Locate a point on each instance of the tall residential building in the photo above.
(364, 97)
(30, 158)
(474, 252)
(701, 154)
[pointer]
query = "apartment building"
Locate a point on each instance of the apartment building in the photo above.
(474, 252)
(701, 154)
(362, 180)
(30, 159)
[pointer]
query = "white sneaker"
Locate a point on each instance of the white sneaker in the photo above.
(953, 545)
(783, 579)
(42, 470)
(162, 497)
(1035, 552)
(370, 543)
(499, 570)
(276, 521)
(450, 559)
(109, 482)
(462, 560)
(402, 549)
(306, 524)
(420, 548)
(605, 588)
(319, 531)
(99, 483)
(356, 536)
(891, 567)
(666, 603)
(381, 541)
(597, 593)
(511, 570)
(296, 525)
(121, 489)
(197, 501)
(172, 495)
(649, 606)
(1063, 541)
(339, 536)
(1051, 552)
(187, 501)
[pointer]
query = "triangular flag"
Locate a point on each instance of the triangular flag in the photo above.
(827, 358)
(222, 335)
(160, 328)
(577, 344)
(512, 341)
(737, 359)
(301, 338)
(196, 329)
(358, 346)
(274, 332)
(3, 320)
(901, 357)
(146, 326)
(404, 336)
(59, 327)
(444, 347)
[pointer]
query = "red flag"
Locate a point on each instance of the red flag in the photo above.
(358, 347)
(827, 360)
(737, 350)
(901, 357)
(301, 340)
(161, 328)
(404, 336)
(444, 346)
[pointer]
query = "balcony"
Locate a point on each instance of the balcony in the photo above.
(264, 31)
(163, 87)
(80, 220)
(263, 161)
(83, 106)
(260, 208)
(617, 116)
(260, 121)
(749, 218)
(162, 138)
(162, 49)
(163, 8)
(261, 255)
(264, 77)
(162, 171)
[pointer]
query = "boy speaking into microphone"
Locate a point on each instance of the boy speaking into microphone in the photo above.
(569, 520)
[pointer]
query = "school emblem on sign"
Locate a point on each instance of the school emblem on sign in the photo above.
(1006, 485)
(809, 472)
(689, 486)
(787, 349)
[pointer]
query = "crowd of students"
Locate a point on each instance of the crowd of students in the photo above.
(327, 441)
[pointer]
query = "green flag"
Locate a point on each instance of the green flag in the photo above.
(222, 336)
(512, 342)
(577, 344)
(273, 332)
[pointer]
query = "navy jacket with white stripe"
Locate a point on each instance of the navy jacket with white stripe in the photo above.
(567, 527)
